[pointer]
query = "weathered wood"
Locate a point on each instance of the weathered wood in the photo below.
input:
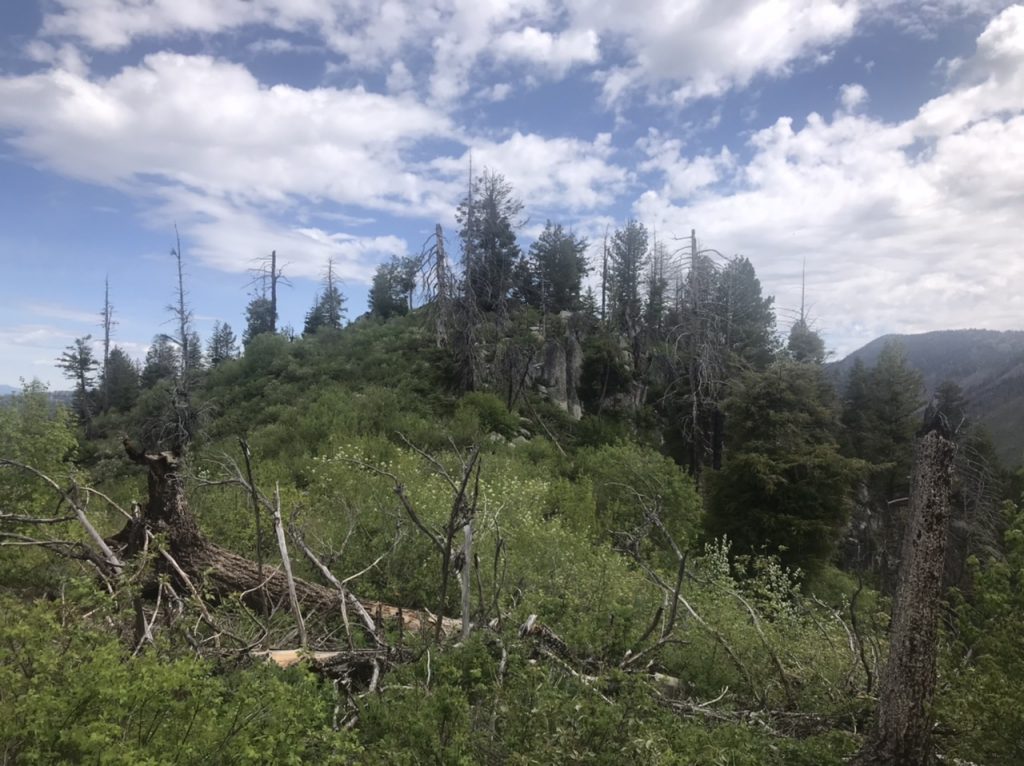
(902, 733)
(286, 562)
(223, 572)
(465, 576)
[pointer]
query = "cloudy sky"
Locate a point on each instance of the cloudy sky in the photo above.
(880, 141)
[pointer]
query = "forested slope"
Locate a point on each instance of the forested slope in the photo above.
(513, 521)
(988, 365)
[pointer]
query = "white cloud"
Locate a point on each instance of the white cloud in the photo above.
(683, 176)
(549, 173)
(679, 50)
(852, 96)
(247, 141)
(905, 226)
(249, 150)
(704, 48)
(253, 155)
(557, 52)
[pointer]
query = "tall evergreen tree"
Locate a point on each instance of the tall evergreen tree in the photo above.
(79, 365)
(627, 262)
(785, 488)
(194, 351)
(393, 285)
(857, 413)
(488, 217)
(259, 318)
(805, 345)
(223, 344)
(747, 317)
(559, 264)
(895, 400)
(655, 307)
(120, 381)
(328, 307)
(161, 362)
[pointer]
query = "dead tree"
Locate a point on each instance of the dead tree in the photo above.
(465, 494)
(902, 733)
(107, 323)
(267, 274)
(221, 572)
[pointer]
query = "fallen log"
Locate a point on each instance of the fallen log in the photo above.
(222, 572)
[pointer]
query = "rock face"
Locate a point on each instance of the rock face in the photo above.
(557, 376)
(573, 375)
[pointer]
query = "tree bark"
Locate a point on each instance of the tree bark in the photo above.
(902, 732)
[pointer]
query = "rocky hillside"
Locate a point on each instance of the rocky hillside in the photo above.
(987, 364)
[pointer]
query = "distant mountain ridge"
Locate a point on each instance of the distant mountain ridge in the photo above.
(987, 364)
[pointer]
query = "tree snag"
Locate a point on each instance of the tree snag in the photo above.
(903, 729)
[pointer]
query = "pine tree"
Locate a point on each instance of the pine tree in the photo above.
(328, 307)
(259, 318)
(161, 362)
(120, 380)
(558, 264)
(655, 308)
(894, 402)
(627, 262)
(79, 365)
(393, 285)
(805, 345)
(747, 318)
(784, 489)
(488, 216)
(857, 413)
(223, 345)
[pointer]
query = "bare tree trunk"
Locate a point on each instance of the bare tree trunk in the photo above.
(467, 569)
(108, 326)
(902, 733)
(273, 290)
(286, 562)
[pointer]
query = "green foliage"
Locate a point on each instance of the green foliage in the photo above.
(880, 413)
(479, 413)
(393, 285)
(161, 362)
(632, 483)
(79, 365)
(748, 318)
(786, 489)
(627, 262)
(328, 309)
(120, 381)
(487, 218)
(260, 319)
(981, 691)
(223, 344)
(559, 265)
(804, 344)
(116, 709)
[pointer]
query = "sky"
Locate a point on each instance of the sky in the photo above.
(878, 144)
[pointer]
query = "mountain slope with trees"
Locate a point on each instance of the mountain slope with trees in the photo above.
(503, 519)
(987, 365)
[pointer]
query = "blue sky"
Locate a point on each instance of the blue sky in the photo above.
(879, 141)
